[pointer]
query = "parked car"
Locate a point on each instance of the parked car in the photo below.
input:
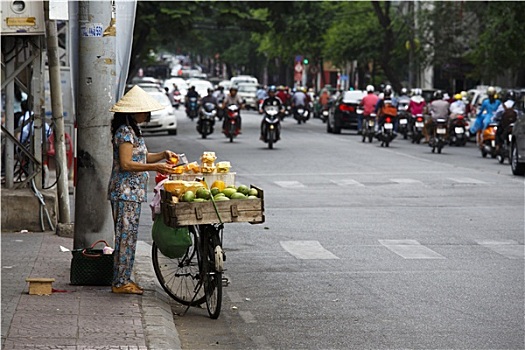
(164, 119)
(343, 111)
(517, 144)
(248, 92)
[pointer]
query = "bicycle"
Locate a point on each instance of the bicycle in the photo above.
(183, 279)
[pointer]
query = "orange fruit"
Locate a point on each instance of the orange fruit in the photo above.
(218, 184)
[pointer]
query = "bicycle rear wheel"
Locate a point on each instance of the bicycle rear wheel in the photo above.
(180, 277)
(212, 272)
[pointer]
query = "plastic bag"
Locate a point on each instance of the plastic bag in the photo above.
(172, 242)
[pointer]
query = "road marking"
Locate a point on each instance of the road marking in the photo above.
(289, 184)
(508, 248)
(247, 316)
(406, 181)
(466, 180)
(235, 297)
(347, 182)
(261, 342)
(307, 250)
(410, 249)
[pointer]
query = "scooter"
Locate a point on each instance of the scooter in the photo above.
(271, 125)
(177, 98)
(458, 131)
(488, 141)
(207, 114)
(301, 114)
(231, 128)
(402, 118)
(386, 132)
(193, 107)
(504, 147)
(369, 123)
(439, 135)
(417, 128)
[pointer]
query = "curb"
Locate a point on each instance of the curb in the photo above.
(157, 317)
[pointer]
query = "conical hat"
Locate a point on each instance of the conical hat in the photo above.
(136, 100)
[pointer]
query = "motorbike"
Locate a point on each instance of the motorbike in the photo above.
(458, 131)
(207, 114)
(193, 107)
(488, 141)
(231, 129)
(177, 98)
(439, 135)
(271, 125)
(418, 124)
(301, 114)
(324, 113)
(504, 149)
(386, 131)
(403, 121)
(369, 123)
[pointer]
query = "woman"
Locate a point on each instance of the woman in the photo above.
(129, 177)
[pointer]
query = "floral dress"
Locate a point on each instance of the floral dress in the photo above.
(126, 191)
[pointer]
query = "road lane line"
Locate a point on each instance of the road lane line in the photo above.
(261, 342)
(347, 182)
(289, 184)
(235, 297)
(247, 316)
(307, 250)
(406, 181)
(410, 249)
(466, 180)
(508, 248)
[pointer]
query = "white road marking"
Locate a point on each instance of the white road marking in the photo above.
(261, 342)
(508, 248)
(247, 316)
(466, 180)
(289, 184)
(347, 182)
(410, 249)
(406, 181)
(235, 297)
(307, 250)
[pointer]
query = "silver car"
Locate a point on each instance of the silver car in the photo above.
(164, 119)
(248, 92)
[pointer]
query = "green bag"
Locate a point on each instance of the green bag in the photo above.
(172, 242)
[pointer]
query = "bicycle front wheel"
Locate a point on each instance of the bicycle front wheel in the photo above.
(180, 277)
(212, 265)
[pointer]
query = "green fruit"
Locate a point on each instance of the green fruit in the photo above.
(214, 191)
(203, 193)
(237, 195)
(243, 189)
(229, 191)
(188, 196)
(199, 200)
(253, 192)
(231, 186)
(219, 195)
(252, 197)
(221, 198)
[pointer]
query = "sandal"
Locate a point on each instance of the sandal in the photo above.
(129, 288)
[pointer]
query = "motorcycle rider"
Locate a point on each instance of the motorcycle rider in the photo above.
(233, 99)
(191, 93)
(368, 103)
(505, 116)
(438, 109)
(300, 99)
(271, 100)
(417, 103)
(485, 114)
(283, 95)
(207, 99)
(384, 108)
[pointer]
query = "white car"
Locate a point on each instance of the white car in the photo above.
(248, 92)
(201, 86)
(180, 82)
(244, 79)
(163, 120)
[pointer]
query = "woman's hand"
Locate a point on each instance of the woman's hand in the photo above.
(171, 157)
(164, 168)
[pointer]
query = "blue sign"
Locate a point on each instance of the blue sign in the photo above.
(298, 58)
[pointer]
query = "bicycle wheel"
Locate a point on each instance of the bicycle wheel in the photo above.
(180, 277)
(212, 276)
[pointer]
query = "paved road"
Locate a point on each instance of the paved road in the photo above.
(363, 246)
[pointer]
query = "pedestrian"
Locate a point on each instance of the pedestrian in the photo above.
(129, 177)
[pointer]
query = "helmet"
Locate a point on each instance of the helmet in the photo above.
(464, 94)
(417, 92)
(370, 88)
(404, 91)
(511, 95)
(210, 91)
(272, 88)
(234, 88)
(438, 95)
(491, 91)
(388, 91)
(457, 97)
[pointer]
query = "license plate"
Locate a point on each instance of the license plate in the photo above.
(389, 125)
(493, 143)
(441, 131)
(371, 123)
(459, 130)
(420, 124)
(510, 137)
(402, 121)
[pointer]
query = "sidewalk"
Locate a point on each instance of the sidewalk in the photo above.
(78, 317)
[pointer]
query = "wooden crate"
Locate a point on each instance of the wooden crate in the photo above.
(40, 286)
(190, 213)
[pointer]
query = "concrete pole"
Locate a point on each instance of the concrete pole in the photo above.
(58, 117)
(97, 80)
(9, 118)
(37, 96)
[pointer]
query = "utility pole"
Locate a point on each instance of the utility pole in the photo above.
(97, 80)
(58, 117)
